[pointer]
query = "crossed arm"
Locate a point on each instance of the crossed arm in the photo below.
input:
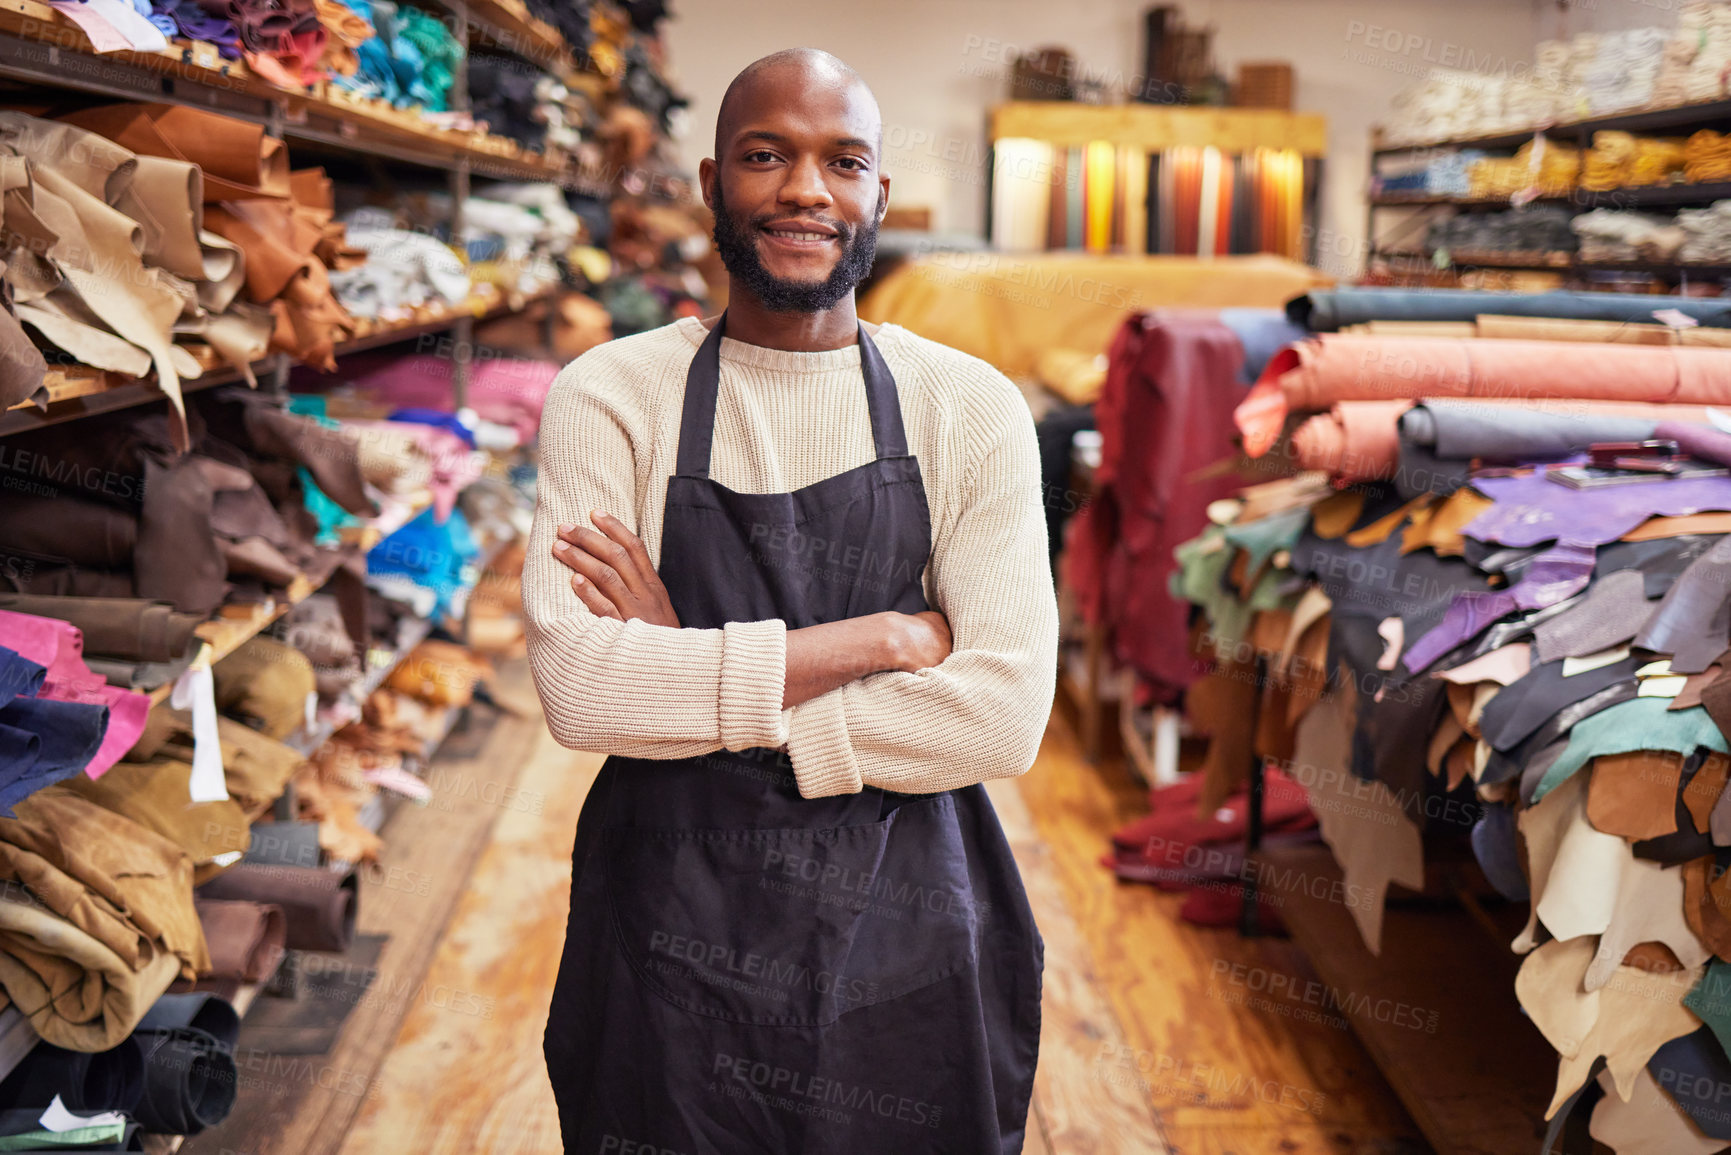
(613, 576)
(885, 700)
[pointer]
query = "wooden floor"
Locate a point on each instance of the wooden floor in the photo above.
(1142, 1047)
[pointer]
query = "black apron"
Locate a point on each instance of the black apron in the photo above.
(750, 972)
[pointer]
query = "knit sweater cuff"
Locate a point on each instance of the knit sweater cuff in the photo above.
(817, 742)
(753, 679)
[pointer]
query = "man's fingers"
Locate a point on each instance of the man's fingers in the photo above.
(613, 555)
(566, 553)
(629, 542)
(598, 573)
(591, 597)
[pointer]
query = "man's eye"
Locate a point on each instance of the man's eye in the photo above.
(759, 156)
(853, 163)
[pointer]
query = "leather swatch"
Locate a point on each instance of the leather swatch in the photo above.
(1613, 611)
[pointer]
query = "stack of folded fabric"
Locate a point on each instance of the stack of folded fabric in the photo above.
(1545, 168)
(1520, 660)
(1444, 174)
(1697, 55)
(1430, 110)
(1532, 230)
(1623, 68)
(1621, 159)
(1709, 234)
(1608, 235)
(516, 234)
(404, 271)
(1543, 96)
(1707, 157)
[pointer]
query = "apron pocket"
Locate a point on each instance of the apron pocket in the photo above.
(793, 927)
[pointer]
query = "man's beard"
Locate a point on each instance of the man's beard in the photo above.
(736, 241)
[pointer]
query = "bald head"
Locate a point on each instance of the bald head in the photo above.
(793, 74)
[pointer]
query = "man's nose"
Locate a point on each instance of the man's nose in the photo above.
(805, 185)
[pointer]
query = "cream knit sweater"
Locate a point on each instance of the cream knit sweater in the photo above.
(609, 438)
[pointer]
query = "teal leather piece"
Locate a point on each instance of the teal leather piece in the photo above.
(1267, 536)
(1711, 1000)
(1638, 724)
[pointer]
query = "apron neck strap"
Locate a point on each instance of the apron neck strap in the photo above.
(703, 384)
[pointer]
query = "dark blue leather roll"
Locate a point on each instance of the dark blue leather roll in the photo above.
(1329, 310)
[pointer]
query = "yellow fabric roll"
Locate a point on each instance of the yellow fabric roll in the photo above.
(1008, 310)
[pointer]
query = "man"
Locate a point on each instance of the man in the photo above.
(791, 574)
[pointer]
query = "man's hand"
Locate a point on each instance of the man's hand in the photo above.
(921, 640)
(612, 574)
(826, 657)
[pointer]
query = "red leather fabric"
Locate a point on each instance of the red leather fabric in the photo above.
(1165, 412)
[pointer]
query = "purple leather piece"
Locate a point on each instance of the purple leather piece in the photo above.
(1697, 440)
(1558, 573)
(197, 24)
(1530, 510)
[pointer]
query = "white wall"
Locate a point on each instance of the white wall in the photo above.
(938, 66)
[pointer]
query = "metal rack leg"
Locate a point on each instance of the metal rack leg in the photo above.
(1249, 925)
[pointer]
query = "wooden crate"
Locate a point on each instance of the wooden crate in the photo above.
(1265, 84)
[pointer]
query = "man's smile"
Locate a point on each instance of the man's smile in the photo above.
(798, 235)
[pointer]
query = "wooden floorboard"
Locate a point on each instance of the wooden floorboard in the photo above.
(1085, 1103)
(487, 1075)
(1208, 1063)
(1142, 1048)
(305, 1105)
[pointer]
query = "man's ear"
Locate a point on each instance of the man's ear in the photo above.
(708, 172)
(883, 197)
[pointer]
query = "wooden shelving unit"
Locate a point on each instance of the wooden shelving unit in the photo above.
(38, 43)
(1679, 119)
(80, 392)
(1154, 127)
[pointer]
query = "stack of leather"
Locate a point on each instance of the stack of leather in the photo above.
(381, 751)
(58, 718)
(411, 59)
(106, 924)
(173, 229)
(277, 219)
(1469, 658)
(129, 518)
